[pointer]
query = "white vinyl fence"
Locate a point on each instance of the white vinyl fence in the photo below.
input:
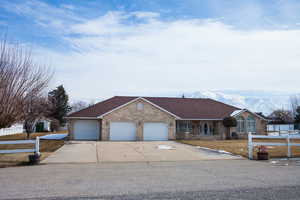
(36, 149)
(12, 130)
(280, 128)
(288, 142)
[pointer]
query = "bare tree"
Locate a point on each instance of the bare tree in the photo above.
(20, 80)
(281, 116)
(36, 108)
(295, 103)
(78, 105)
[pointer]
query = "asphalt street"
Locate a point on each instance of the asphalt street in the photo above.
(220, 179)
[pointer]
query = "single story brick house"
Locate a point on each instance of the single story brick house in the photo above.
(127, 118)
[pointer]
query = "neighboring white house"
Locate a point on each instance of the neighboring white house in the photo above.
(43, 125)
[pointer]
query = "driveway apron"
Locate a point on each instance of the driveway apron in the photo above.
(106, 152)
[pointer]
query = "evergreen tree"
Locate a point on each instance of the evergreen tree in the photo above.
(60, 106)
(229, 122)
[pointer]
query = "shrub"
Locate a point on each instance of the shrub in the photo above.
(229, 122)
(234, 135)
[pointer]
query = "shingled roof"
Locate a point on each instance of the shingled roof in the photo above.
(184, 108)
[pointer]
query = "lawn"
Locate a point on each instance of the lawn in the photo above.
(46, 148)
(240, 147)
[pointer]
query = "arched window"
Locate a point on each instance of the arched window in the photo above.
(240, 124)
(206, 129)
(251, 124)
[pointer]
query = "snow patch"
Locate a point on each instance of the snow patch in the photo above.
(165, 147)
(217, 151)
(54, 136)
(235, 112)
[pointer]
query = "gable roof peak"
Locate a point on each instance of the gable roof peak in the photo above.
(183, 108)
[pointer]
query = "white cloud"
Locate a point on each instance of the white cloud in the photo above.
(68, 6)
(109, 23)
(146, 15)
(50, 17)
(114, 56)
(116, 23)
(158, 56)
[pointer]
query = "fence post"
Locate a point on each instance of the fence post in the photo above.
(37, 145)
(289, 154)
(250, 146)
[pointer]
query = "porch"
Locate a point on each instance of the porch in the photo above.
(200, 129)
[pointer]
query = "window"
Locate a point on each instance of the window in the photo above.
(184, 126)
(211, 129)
(206, 129)
(251, 124)
(240, 125)
(140, 106)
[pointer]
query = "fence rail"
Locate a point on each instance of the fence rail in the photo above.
(11, 130)
(280, 127)
(288, 142)
(36, 149)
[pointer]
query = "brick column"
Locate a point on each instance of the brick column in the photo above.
(139, 130)
(105, 130)
(71, 129)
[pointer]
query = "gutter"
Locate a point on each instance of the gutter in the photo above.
(81, 118)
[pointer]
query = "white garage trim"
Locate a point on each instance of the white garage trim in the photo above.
(155, 131)
(239, 112)
(122, 131)
(86, 130)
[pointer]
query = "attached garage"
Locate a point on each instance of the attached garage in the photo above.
(155, 131)
(122, 131)
(123, 119)
(86, 130)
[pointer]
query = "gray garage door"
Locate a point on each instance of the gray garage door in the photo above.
(86, 130)
(122, 131)
(155, 131)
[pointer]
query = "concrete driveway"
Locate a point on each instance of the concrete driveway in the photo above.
(105, 152)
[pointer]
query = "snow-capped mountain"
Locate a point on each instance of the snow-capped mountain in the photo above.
(255, 101)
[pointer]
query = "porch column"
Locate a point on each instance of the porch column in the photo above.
(221, 130)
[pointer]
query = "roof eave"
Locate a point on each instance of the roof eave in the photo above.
(138, 98)
(202, 119)
(244, 110)
(121, 106)
(81, 117)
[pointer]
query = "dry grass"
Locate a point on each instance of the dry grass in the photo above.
(46, 148)
(240, 147)
(23, 136)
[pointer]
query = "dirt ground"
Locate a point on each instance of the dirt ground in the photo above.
(46, 148)
(240, 147)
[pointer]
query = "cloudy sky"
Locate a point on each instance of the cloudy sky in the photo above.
(101, 48)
